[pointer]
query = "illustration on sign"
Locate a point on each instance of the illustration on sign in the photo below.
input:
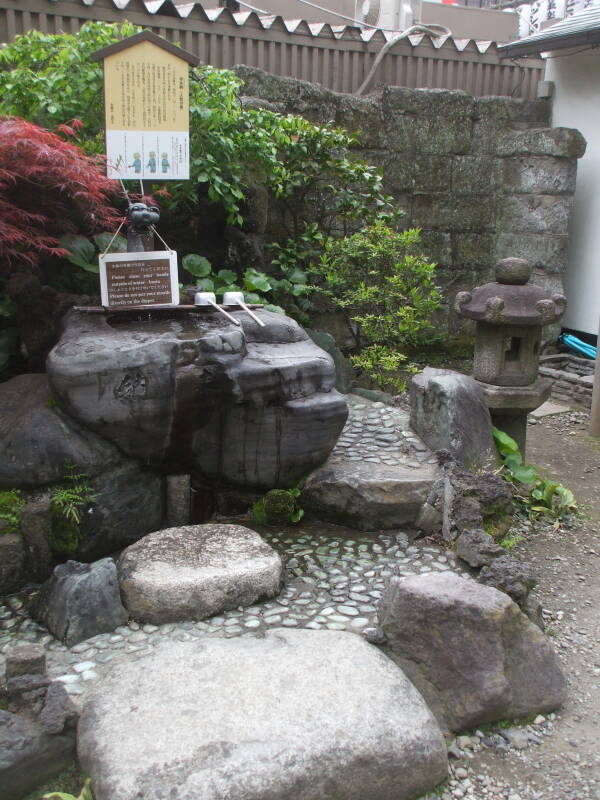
(139, 279)
(146, 89)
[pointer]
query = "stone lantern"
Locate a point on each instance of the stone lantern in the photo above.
(509, 316)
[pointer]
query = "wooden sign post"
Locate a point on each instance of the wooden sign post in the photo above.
(146, 100)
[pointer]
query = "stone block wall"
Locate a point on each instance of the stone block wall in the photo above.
(485, 178)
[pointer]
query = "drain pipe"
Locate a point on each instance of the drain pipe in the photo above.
(595, 413)
(431, 30)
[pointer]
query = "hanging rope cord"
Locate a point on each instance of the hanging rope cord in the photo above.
(430, 30)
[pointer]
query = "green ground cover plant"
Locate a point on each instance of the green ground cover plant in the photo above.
(535, 494)
(85, 794)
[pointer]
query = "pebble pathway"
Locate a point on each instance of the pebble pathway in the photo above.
(332, 582)
(379, 434)
(335, 576)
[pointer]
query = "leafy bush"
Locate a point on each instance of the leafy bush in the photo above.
(83, 252)
(50, 79)
(48, 188)
(11, 505)
(258, 287)
(385, 289)
(538, 494)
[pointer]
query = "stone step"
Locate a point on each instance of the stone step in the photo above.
(367, 495)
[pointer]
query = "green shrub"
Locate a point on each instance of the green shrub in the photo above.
(50, 79)
(385, 288)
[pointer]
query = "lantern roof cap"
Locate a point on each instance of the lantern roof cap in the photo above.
(511, 299)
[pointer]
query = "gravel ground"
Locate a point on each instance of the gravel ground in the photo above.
(559, 757)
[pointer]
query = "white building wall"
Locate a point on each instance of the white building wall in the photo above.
(576, 104)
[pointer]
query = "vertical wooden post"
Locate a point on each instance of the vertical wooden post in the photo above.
(595, 416)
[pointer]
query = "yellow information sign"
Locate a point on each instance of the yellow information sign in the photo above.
(146, 91)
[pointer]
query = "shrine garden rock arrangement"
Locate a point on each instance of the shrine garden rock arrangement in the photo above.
(197, 571)
(303, 714)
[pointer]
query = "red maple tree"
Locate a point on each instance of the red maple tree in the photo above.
(48, 188)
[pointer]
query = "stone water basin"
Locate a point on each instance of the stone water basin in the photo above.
(245, 406)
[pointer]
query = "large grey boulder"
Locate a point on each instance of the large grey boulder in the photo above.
(308, 715)
(448, 411)
(368, 496)
(248, 406)
(80, 600)
(472, 653)
(197, 571)
(29, 756)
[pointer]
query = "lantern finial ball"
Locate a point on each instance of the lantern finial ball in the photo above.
(513, 271)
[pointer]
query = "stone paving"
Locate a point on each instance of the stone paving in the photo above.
(379, 434)
(335, 575)
(334, 580)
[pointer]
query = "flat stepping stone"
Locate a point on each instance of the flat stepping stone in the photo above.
(197, 571)
(368, 496)
(309, 715)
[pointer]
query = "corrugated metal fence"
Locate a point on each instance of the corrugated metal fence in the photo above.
(339, 58)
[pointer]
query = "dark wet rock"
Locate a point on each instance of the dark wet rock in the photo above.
(248, 406)
(13, 572)
(197, 571)
(471, 501)
(367, 496)
(477, 548)
(469, 649)
(344, 373)
(80, 601)
(26, 693)
(59, 712)
(38, 441)
(509, 575)
(29, 757)
(36, 530)
(128, 503)
(313, 714)
(449, 412)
